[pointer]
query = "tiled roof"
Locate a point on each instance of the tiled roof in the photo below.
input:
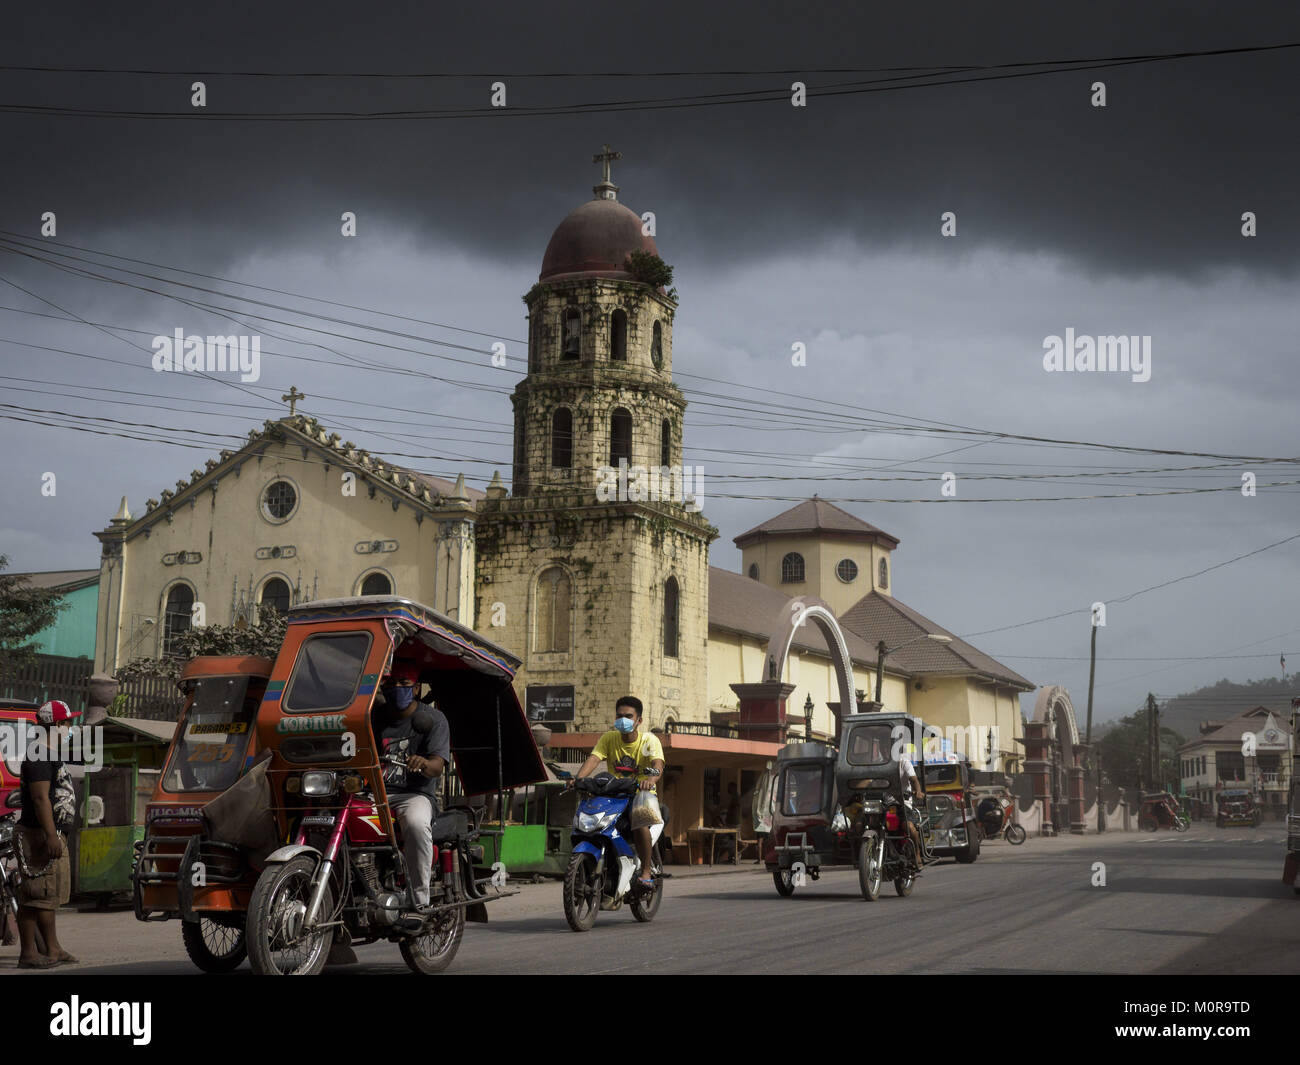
(1232, 730)
(741, 604)
(877, 617)
(815, 515)
(59, 578)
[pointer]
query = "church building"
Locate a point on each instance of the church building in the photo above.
(600, 588)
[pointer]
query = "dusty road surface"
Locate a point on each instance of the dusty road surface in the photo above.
(1208, 901)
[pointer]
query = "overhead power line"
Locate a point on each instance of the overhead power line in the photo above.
(918, 78)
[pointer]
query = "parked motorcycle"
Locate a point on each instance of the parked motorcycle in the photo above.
(996, 818)
(604, 869)
(887, 851)
(11, 872)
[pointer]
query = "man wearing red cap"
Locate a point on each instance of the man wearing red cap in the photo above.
(39, 824)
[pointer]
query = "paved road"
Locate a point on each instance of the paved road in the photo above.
(1208, 901)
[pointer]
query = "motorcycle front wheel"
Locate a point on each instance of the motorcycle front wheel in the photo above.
(276, 946)
(433, 951)
(1015, 835)
(215, 947)
(644, 907)
(582, 888)
(869, 871)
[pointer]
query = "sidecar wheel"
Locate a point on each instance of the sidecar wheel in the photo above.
(214, 946)
(433, 951)
(582, 890)
(279, 900)
(784, 880)
(903, 885)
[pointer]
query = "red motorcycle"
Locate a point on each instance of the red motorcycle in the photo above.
(996, 817)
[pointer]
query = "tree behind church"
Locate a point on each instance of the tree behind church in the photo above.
(24, 612)
(262, 639)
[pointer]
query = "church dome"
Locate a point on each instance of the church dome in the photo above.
(595, 241)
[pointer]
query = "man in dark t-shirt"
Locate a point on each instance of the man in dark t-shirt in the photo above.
(41, 895)
(412, 785)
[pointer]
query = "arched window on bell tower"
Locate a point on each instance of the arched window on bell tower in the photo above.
(572, 348)
(657, 345)
(672, 618)
(554, 616)
(562, 439)
(620, 437)
(666, 443)
(534, 341)
(520, 479)
(618, 335)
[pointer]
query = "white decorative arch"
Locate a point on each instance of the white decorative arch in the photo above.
(1053, 706)
(796, 613)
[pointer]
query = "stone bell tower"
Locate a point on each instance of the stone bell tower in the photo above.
(594, 569)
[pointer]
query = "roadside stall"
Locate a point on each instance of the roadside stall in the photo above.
(114, 801)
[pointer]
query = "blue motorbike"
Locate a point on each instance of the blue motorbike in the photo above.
(604, 870)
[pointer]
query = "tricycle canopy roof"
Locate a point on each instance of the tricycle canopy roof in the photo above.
(805, 752)
(452, 644)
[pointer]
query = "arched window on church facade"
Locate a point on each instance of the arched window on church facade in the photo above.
(620, 437)
(666, 443)
(792, 568)
(176, 615)
(657, 345)
(376, 584)
(672, 618)
(554, 613)
(884, 573)
(562, 439)
(275, 594)
(618, 335)
(572, 333)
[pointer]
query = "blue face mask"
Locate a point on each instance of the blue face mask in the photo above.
(402, 697)
(625, 725)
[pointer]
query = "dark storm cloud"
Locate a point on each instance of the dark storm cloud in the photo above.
(1156, 181)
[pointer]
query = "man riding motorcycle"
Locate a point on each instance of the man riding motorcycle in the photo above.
(628, 749)
(911, 785)
(412, 783)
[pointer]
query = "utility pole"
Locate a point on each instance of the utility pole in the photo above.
(1153, 740)
(1096, 755)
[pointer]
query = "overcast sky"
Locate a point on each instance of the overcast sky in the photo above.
(817, 225)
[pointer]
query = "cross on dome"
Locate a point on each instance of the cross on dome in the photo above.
(606, 190)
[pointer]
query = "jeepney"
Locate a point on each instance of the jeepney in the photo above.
(953, 828)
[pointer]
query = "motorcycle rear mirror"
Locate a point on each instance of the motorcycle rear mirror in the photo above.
(422, 721)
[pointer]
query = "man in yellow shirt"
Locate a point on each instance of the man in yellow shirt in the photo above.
(626, 749)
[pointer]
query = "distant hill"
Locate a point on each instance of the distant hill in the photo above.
(1221, 701)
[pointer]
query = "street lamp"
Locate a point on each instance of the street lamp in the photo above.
(882, 650)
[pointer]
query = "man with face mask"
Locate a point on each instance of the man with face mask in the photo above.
(629, 749)
(412, 785)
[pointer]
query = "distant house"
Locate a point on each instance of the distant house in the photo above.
(1222, 757)
(73, 634)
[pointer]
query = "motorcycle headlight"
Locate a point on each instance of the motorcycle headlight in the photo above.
(594, 822)
(872, 806)
(319, 782)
